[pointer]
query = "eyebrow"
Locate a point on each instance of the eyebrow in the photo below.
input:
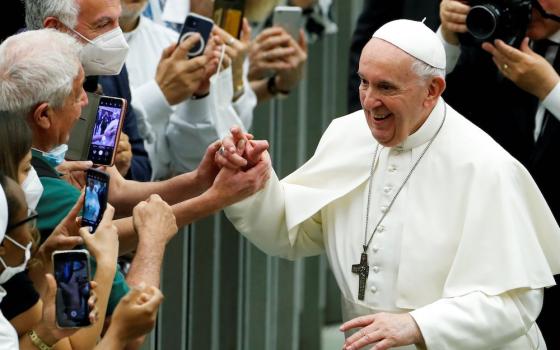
(102, 20)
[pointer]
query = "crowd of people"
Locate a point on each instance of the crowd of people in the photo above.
(438, 217)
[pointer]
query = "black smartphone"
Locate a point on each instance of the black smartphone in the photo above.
(228, 14)
(196, 24)
(107, 130)
(73, 276)
(95, 201)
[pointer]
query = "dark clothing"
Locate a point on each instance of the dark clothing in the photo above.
(477, 90)
(118, 86)
(21, 295)
(375, 14)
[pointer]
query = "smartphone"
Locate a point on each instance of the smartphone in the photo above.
(80, 135)
(289, 18)
(95, 200)
(107, 130)
(228, 14)
(196, 24)
(73, 276)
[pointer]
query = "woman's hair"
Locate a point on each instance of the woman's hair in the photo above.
(15, 143)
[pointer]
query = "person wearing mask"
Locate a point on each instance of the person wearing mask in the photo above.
(513, 93)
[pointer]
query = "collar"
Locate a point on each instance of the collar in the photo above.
(555, 38)
(2, 293)
(427, 130)
(130, 35)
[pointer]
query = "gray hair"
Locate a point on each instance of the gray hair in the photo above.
(425, 71)
(37, 10)
(37, 66)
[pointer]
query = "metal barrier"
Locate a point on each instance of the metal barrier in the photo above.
(223, 293)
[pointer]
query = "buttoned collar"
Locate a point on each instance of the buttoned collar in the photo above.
(427, 130)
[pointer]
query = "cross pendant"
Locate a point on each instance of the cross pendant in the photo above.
(362, 269)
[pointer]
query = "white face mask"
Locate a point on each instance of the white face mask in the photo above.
(221, 95)
(56, 155)
(33, 189)
(104, 55)
(10, 271)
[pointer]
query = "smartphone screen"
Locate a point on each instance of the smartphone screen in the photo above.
(196, 24)
(106, 130)
(72, 274)
(228, 14)
(95, 201)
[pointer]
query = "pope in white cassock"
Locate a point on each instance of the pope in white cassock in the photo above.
(437, 237)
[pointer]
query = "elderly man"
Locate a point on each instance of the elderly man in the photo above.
(437, 237)
(96, 25)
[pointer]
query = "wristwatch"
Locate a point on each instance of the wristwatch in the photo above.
(273, 89)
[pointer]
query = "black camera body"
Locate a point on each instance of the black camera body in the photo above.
(488, 20)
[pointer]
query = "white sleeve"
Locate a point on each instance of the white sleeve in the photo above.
(261, 218)
(552, 101)
(479, 321)
(245, 105)
(452, 52)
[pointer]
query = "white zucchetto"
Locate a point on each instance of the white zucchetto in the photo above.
(414, 38)
(3, 214)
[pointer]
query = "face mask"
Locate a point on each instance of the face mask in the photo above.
(221, 95)
(10, 271)
(33, 189)
(104, 55)
(56, 155)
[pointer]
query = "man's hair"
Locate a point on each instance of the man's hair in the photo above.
(35, 67)
(425, 71)
(37, 10)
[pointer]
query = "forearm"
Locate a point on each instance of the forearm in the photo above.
(261, 90)
(197, 208)
(111, 341)
(146, 265)
(128, 239)
(477, 320)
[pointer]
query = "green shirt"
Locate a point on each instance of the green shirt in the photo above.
(56, 202)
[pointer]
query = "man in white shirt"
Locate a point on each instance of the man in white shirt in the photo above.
(437, 237)
(513, 94)
(180, 120)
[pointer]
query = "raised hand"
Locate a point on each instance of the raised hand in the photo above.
(453, 15)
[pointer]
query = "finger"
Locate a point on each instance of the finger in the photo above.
(73, 214)
(275, 41)
(51, 289)
(246, 31)
(524, 47)
(155, 198)
(361, 321)
(155, 299)
(258, 147)
(369, 337)
(66, 243)
(228, 144)
(384, 345)
(107, 215)
(195, 64)
(456, 18)
(302, 42)
(510, 53)
(186, 45)
(268, 33)
(456, 6)
(277, 53)
(69, 166)
(166, 53)
(457, 28)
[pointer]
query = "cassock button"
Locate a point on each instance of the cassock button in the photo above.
(392, 168)
(387, 189)
(373, 289)
(375, 269)
(381, 228)
(383, 209)
(375, 249)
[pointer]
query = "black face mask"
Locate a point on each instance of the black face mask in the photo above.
(507, 20)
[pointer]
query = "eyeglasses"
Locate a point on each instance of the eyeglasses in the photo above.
(31, 219)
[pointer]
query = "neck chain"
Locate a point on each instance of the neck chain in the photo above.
(362, 269)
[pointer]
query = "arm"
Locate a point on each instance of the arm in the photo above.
(453, 15)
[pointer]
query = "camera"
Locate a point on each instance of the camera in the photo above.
(507, 20)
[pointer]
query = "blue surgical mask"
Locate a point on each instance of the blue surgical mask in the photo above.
(56, 155)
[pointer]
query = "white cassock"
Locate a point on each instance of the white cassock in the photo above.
(466, 248)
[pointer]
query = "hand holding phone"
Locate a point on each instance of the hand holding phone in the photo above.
(95, 200)
(107, 130)
(196, 24)
(73, 276)
(228, 15)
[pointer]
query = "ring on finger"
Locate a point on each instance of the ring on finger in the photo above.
(505, 66)
(230, 41)
(222, 150)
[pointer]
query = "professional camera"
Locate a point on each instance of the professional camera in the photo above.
(488, 20)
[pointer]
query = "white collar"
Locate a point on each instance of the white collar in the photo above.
(555, 37)
(427, 130)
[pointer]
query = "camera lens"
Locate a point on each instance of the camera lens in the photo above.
(482, 21)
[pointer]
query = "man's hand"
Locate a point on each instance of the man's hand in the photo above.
(154, 220)
(384, 330)
(453, 15)
(289, 77)
(136, 313)
(178, 76)
(240, 151)
(103, 244)
(527, 69)
(123, 158)
(208, 169)
(268, 53)
(213, 51)
(73, 172)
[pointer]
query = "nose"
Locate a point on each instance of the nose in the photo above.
(370, 100)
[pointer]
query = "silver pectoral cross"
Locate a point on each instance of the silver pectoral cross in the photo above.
(362, 269)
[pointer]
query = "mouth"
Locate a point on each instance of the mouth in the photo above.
(381, 116)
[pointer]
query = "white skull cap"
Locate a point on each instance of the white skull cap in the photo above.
(3, 213)
(414, 38)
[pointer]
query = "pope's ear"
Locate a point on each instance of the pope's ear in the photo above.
(41, 116)
(54, 23)
(435, 89)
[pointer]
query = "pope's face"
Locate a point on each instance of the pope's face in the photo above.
(541, 28)
(392, 95)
